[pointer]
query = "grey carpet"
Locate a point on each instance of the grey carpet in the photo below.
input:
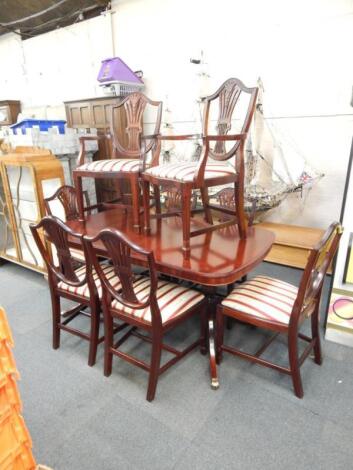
(78, 419)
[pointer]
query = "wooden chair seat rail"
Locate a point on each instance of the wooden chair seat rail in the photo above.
(143, 365)
(257, 359)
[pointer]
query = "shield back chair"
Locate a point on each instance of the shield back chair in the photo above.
(213, 168)
(128, 161)
(81, 285)
(278, 306)
(145, 303)
(63, 204)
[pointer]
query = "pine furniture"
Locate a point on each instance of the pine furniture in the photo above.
(27, 177)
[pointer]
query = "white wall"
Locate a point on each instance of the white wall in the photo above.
(63, 64)
(302, 51)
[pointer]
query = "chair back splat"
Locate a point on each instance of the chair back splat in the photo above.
(136, 105)
(228, 96)
(118, 249)
(67, 196)
(57, 233)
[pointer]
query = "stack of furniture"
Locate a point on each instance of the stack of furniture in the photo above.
(27, 177)
(192, 256)
(15, 441)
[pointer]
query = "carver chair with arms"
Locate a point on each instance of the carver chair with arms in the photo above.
(81, 285)
(144, 303)
(278, 306)
(128, 159)
(214, 167)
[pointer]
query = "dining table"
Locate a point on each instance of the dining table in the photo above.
(217, 258)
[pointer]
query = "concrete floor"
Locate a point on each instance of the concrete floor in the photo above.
(78, 419)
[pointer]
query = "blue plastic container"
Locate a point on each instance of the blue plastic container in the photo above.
(44, 125)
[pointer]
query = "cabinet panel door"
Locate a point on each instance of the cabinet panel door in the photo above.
(25, 208)
(7, 241)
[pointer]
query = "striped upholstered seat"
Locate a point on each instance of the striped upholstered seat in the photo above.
(185, 171)
(113, 165)
(173, 299)
(84, 289)
(263, 297)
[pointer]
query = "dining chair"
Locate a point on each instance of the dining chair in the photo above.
(213, 168)
(145, 303)
(276, 305)
(130, 155)
(63, 204)
(81, 285)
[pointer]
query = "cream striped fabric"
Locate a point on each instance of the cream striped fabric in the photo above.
(185, 171)
(78, 254)
(263, 297)
(121, 164)
(84, 290)
(173, 300)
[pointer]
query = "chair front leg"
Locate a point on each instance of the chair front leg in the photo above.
(93, 342)
(186, 214)
(146, 207)
(154, 367)
(56, 314)
(79, 196)
(108, 342)
(135, 194)
(315, 330)
(294, 363)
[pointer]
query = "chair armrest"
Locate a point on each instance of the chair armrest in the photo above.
(180, 137)
(151, 136)
(91, 137)
(82, 140)
(222, 138)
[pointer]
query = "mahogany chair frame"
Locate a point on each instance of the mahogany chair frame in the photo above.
(57, 233)
(228, 95)
(138, 146)
(67, 196)
(307, 304)
(118, 248)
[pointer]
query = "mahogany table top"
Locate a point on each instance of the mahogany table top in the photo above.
(217, 258)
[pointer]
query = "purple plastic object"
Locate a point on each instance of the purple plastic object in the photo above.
(115, 70)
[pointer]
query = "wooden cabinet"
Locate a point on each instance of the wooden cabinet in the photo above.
(9, 110)
(96, 113)
(26, 179)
